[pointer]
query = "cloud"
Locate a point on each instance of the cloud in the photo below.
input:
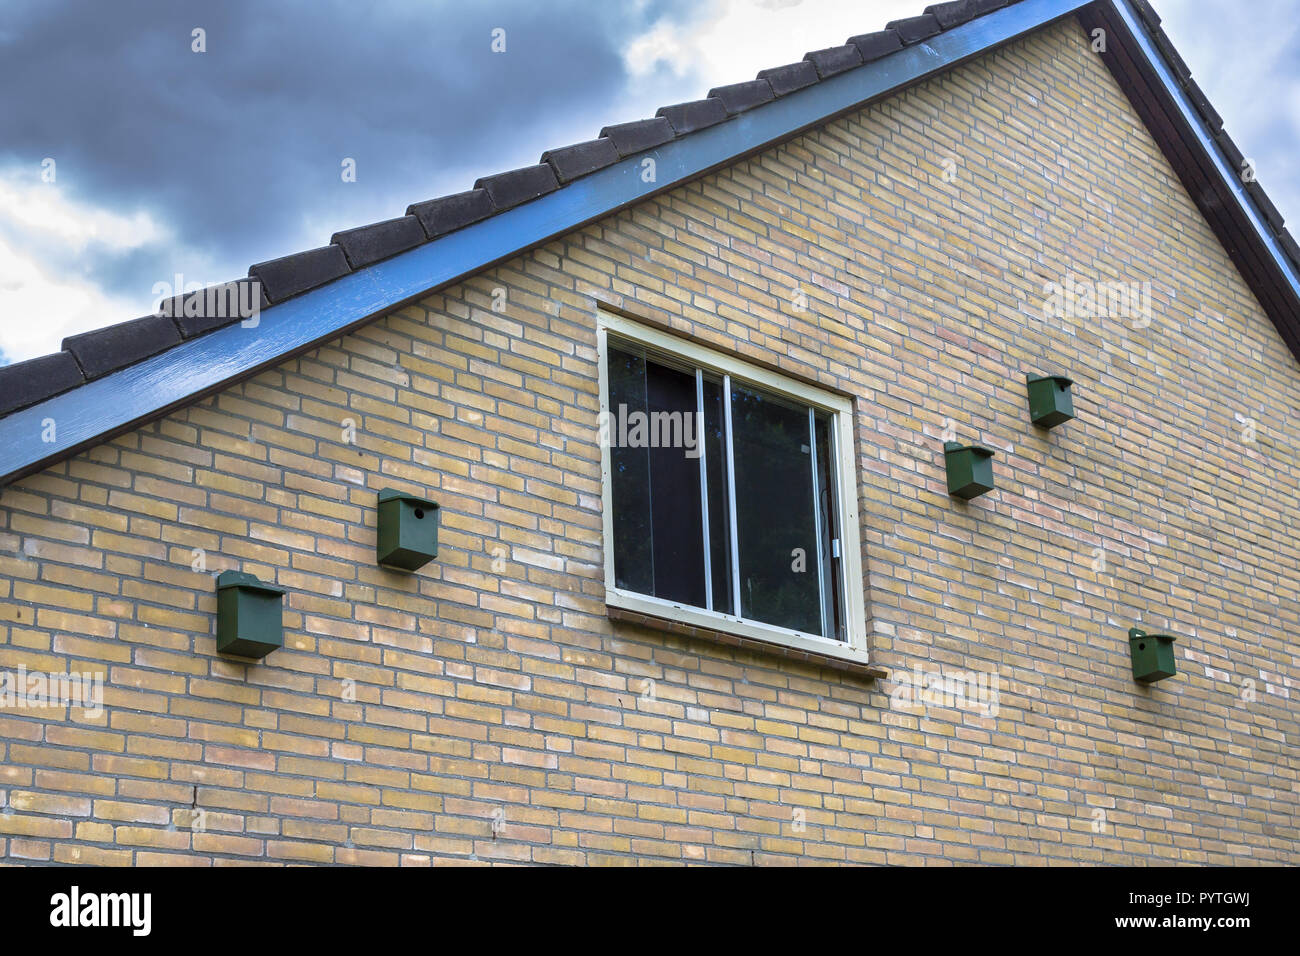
(44, 209)
(47, 290)
(56, 305)
(728, 41)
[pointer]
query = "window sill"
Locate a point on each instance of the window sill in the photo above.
(844, 659)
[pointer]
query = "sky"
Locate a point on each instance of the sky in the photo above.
(134, 164)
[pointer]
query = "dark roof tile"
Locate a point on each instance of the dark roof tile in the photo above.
(872, 46)
(288, 276)
(1289, 246)
(369, 244)
(738, 97)
(1208, 112)
(697, 114)
(449, 213)
(1171, 55)
(519, 185)
(957, 12)
(214, 306)
(1231, 152)
(915, 29)
(1266, 207)
(26, 383)
(571, 162)
(1147, 12)
(101, 351)
(834, 59)
(793, 76)
(639, 135)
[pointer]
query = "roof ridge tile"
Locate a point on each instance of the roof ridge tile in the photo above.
(957, 12)
(697, 114)
(738, 97)
(638, 135)
(1147, 13)
(785, 80)
(105, 350)
(214, 306)
(1171, 55)
(573, 162)
(1270, 212)
(292, 275)
(1208, 113)
(366, 245)
(34, 380)
(915, 29)
(834, 60)
(1235, 157)
(1289, 245)
(448, 213)
(517, 186)
(872, 46)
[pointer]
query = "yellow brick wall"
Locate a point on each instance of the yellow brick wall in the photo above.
(486, 709)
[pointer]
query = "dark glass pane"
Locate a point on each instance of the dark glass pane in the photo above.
(828, 510)
(630, 477)
(715, 462)
(676, 520)
(655, 479)
(774, 511)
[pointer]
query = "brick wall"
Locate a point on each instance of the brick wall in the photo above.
(487, 709)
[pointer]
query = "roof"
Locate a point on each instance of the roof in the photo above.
(112, 379)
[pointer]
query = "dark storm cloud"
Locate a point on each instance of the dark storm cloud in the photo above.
(233, 149)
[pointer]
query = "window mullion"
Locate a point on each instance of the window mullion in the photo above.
(817, 520)
(731, 499)
(839, 611)
(704, 488)
(650, 481)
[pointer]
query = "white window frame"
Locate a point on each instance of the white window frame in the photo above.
(845, 493)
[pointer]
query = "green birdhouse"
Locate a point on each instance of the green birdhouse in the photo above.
(1050, 402)
(970, 469)
(408, 530)
(1153, 655)
(250, 620)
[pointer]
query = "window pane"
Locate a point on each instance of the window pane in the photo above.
(676, 523)
(775, 521)
(630, 477)
(658, 526)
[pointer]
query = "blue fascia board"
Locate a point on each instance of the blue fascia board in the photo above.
(98, 410)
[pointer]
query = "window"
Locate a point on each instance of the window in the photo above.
(729, 493)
